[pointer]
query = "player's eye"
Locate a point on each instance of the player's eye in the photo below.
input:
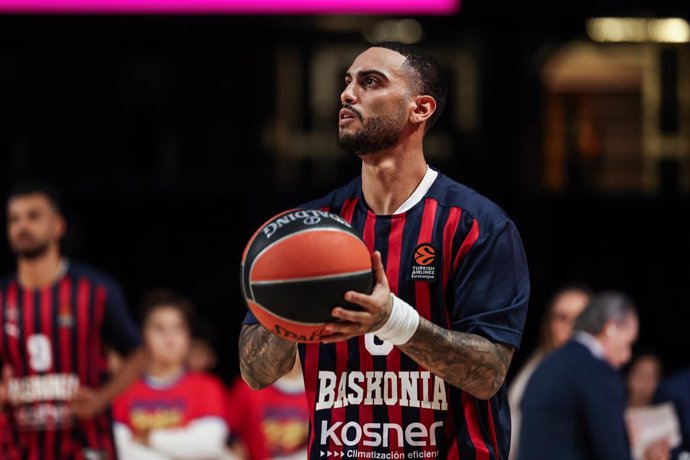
(347, 83)
(369, 81)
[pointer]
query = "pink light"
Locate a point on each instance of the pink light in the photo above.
(232, 6)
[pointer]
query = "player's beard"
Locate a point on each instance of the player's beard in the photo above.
(377, 133)
(33, 251)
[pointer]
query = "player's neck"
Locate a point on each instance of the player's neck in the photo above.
(391, 176)
(42, 271)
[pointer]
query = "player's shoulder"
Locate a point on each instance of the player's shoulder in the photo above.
(337, 197)
(450, 193)
(80, 269)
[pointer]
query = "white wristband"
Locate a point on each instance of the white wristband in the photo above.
(401, 324)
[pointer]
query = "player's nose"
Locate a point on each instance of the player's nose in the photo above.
(348, 95)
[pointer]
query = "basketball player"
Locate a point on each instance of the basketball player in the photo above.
(419, 371)
(56, 316)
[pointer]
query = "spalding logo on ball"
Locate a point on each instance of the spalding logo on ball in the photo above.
(298, 266)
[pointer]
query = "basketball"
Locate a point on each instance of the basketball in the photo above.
(298, 266)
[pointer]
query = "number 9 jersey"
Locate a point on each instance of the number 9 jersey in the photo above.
(52, 342)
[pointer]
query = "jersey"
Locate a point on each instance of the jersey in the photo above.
(53, 340)
(148, 406)
(458, 259)
(282, 413)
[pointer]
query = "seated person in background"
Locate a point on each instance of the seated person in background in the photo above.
(556, 329)
(282, 412)
(574, 404)
(170, 412)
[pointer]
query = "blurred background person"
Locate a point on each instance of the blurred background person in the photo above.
(648, 422)
(170, 412)
(643, 380)
(282, 411)
(556, 329)
(574, 404)
(202, 349)
(57, 314)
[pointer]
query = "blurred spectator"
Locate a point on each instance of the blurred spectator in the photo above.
(57, 315)
(170, 413)
(202, 357)
(643, 379)
(556, 329)
(676, 389)
(648, 423)
(282, 412)
(574, 404)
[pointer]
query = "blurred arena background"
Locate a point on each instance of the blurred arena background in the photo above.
(173, 137)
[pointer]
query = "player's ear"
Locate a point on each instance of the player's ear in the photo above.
(61, 226)
(424, 108)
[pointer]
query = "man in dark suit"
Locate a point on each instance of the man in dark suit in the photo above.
(574, 403)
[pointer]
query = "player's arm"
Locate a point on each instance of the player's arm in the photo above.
(264, 357)
(467, 361)
(88, 402)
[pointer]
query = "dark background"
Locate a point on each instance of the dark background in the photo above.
(152, 128)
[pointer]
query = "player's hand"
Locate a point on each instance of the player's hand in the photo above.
(86, 403)
(376, 308)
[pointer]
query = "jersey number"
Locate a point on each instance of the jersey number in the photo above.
(40, 352)
(376, 346)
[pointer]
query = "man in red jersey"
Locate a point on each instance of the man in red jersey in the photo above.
(418, 372)
(56, 315)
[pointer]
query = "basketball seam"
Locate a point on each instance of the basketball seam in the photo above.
(312, 278)
(286, 319)
(258, 256)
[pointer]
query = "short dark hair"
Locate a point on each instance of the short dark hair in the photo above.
(602, 308)
(427, 75)
(164, 298)
(31, 188)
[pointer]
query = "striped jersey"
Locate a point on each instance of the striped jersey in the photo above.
(53, 341)
(458, 259)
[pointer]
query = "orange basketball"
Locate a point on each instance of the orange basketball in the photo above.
(298, 266)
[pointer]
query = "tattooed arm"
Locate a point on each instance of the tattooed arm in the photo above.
(467, 361)
(264, 357)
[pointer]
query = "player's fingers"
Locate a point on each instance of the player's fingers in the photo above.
(345, 327)
(377, 265)
(352, 315)
(363, 300)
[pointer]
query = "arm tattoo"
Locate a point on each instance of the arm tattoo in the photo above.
(470, 362)
(264, 357)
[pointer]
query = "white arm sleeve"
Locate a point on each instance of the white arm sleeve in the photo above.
(129, 449)
(202, 439)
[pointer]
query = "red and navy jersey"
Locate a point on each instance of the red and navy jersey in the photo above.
(53, 340)
(147, 406)
(458, 259)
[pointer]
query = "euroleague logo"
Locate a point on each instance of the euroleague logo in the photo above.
(425, 254)
(424, 263)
